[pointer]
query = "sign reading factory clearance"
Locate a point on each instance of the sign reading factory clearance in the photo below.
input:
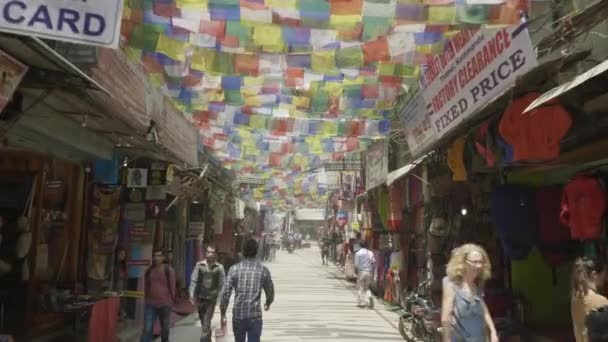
(477, 66)
(89, 22)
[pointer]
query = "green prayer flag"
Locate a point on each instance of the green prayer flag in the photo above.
(233, 97)
(374, 27)
(350, 57)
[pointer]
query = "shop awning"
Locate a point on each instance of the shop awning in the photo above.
(397, 174)
(568, 86)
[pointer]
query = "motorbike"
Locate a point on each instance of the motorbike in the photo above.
(421, 320)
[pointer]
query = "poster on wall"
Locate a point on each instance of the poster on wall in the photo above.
(376, 164)
(83, 22)
(137, 178)
(11, 74)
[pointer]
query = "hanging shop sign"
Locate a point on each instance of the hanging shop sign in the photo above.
(416, 124)
(376, 164)
(485, 66)
(354, 165)
(77, 21)
(477, 66)
(11, 73)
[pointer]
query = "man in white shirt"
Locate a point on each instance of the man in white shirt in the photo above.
(365, 264)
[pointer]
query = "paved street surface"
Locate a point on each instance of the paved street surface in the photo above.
(313, 303)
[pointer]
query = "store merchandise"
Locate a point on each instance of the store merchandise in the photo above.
(555, 242)
(515, 217)
(583, 207)
(456, 160)
(535, 135)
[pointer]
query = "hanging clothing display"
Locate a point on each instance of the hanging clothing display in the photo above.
(535, 135)
(456, 160)
(103, 233)
(583, 207)
(396, 203)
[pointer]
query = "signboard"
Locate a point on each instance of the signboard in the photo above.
(251, 180)
(85, 22)
(11, 73)
(486, 65)
(376, 167)
(343, 166)
(417, 124)
(477, 66)
(83, 56)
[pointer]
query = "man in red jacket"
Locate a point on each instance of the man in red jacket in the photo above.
(159, 296)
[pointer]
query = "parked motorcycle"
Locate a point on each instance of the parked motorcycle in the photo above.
(421, 320)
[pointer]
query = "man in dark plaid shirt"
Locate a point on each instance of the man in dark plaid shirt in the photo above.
(247, 278)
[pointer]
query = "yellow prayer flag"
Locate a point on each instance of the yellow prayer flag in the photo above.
(344, 22)
(334, 89)
(323, 61)
(253, 101)
(314, 145)
(192, 4)
(200, 59)
(269, 37)
(442, 14)
(329, 128)
(214, 95)
(253, 81)
(258, 121)
(301, 101)
(285, 4)
(172, 48)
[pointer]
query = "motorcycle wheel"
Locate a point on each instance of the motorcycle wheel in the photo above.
(407, 329)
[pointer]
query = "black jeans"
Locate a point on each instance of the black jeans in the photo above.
(206, 309)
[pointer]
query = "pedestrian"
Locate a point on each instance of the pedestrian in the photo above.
(365, 263)
(587, 277)
(248, 278)
(206, 284)
(464, 313)
(596, 324)
(325, 249)
(159, 293)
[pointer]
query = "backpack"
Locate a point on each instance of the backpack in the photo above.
(167, 276)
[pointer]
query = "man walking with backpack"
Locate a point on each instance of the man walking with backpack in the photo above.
(206, 285)
(159, 293)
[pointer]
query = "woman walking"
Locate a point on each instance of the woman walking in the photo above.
(464, 314)
(588, 276)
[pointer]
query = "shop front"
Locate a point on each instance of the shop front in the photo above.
(513, 178)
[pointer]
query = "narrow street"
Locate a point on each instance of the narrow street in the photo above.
(313, 303)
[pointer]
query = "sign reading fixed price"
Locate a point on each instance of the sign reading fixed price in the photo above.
(481, 65)
(88, 22)
(476, 67)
